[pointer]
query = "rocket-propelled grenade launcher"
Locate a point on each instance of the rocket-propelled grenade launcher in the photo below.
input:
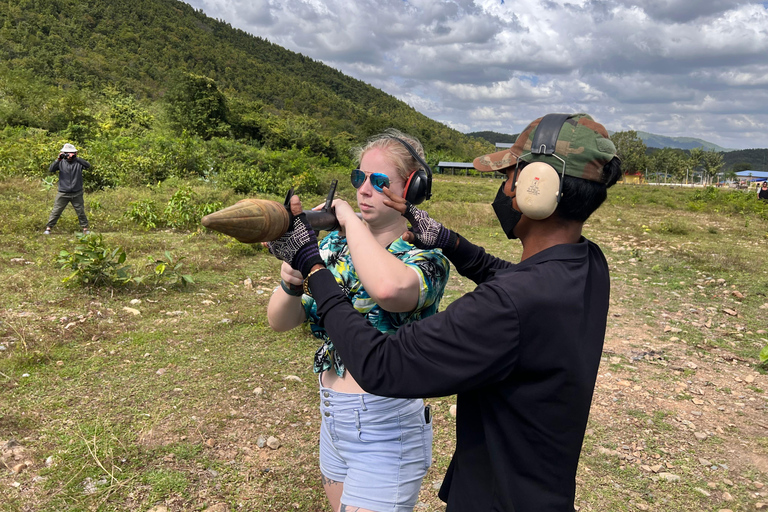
(260, 220)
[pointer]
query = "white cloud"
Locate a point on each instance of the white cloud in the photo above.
(665, 66)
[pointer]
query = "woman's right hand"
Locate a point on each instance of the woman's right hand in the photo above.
(344, 212)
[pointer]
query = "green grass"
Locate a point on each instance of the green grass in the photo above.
(160, 408)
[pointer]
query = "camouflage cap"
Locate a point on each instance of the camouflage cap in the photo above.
(582, 143)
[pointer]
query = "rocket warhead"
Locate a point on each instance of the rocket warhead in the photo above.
(250, 221)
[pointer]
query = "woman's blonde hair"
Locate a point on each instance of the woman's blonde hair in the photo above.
(400, 157)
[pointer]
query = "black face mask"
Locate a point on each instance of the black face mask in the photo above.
(508, 216)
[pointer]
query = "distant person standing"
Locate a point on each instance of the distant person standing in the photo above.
(70, 168)
(762, 192)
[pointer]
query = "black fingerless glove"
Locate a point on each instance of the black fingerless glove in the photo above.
(298, 246)
(428, 233)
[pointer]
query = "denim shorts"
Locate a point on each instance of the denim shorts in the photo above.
(380, 448)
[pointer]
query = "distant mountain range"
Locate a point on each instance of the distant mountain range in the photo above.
(753, 159)
(651, 140)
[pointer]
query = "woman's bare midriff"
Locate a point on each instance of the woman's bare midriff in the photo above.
(345, 384)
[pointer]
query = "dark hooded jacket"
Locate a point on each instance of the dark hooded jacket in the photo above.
(70, 174)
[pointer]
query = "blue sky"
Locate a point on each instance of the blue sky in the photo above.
(672, 67)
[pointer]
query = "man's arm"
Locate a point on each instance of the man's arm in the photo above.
(472, 343)
(54, 166)
(472, 262)
(426, 233)
(82, 162)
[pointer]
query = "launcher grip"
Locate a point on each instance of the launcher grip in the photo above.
(260, 220)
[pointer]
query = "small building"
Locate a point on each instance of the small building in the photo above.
(467, 168)
(452, 167)
(751, 179)
(632, 179)
(752, 174)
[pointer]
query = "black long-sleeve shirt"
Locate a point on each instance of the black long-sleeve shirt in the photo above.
(70, 174)
(521, 351)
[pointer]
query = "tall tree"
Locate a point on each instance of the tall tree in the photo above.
(195, 104)
(631, 150)
(668, 163)
(713, 163)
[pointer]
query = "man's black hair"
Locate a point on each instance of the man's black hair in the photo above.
(582, 197)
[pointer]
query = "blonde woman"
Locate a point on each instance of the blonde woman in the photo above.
(374, 451)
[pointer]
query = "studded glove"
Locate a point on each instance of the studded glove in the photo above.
(428, 233)
(298, 245)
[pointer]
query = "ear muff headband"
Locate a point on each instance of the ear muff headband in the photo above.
(538, 187)
(418, 188)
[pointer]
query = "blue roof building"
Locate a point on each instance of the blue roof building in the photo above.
(753, 175)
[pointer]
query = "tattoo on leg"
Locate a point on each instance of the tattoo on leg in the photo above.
(328, 482)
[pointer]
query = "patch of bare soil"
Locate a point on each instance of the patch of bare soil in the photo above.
(682, 411)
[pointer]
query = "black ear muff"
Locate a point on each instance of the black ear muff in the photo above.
(537, 190)
(418, 188)
(539, 186)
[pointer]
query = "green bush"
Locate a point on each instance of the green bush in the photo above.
(181, 213)
(143, 213)
(167, 271)
(675, 227)
(95, 265)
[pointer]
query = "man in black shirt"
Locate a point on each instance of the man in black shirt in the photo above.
(522, 350)
(70, 168)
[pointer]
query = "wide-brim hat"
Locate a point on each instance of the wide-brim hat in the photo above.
(68, 148)
(582, 143)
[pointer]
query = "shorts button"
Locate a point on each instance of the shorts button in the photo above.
(326, 394)
(327, 414)
(327, 403)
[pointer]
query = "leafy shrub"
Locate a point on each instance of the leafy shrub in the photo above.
(209, 208)
(48, 183)
(27, 152)
(165, 271)
(180, 212)
(245, 179)
(143, 213)
(674, 227)
(728, 201)
(94, 264)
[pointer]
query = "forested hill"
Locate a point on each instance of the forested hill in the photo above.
(138, 46)
(494, 137)
(746, 160)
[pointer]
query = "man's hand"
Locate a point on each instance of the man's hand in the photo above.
(298, 245)
(425, 232)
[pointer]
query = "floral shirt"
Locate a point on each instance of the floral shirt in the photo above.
(430, 265)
